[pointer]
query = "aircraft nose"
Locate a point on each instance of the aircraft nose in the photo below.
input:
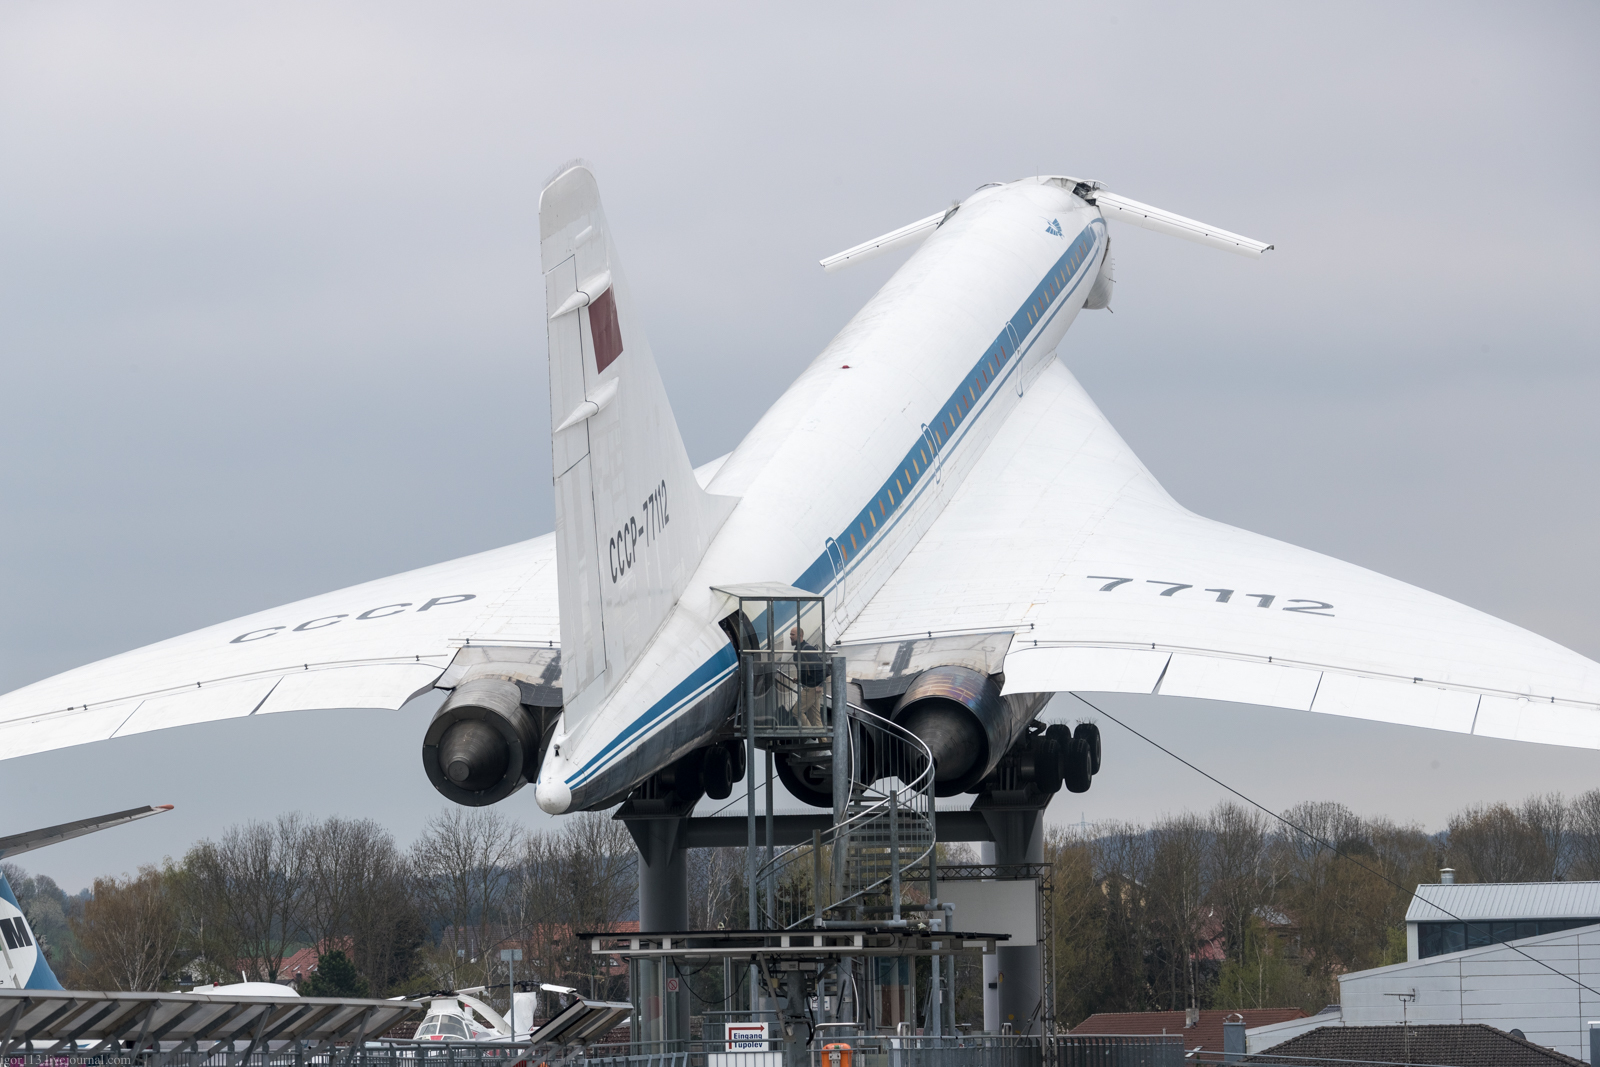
(553, 795)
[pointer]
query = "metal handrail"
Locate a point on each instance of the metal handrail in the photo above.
(907, 798)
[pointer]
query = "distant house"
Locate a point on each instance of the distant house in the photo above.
(1199, 1029)
(299, 966)
(303, 964)
(1458, 1045)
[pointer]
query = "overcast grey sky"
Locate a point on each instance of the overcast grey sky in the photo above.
(271, 323)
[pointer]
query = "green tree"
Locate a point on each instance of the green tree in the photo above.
(335, 976)
(1260, 973)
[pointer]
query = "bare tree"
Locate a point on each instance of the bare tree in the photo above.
(333, 865)
(1499, 843)
(461, 863)
(1240, 880)
(245, 896)
(581, 879)
(536, 908)
(1348, 900)
(1177, 917)
(385, 923)
(601, 874)
(1584, 842)
(601, 880)
(1550, 818)
(358, 898)
(128, 933)
(716, 888)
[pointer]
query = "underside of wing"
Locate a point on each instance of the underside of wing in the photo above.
(1062, 536)
(373, 645)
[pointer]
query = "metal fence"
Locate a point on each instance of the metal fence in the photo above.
(373, 1055)
(884, 1051)
(969, 1050)
(1118, 1050)
(979, 1050)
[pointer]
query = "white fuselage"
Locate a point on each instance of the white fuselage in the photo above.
(847, 471)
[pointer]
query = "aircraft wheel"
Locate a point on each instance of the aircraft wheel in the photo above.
(1049, 762)
(716, 774)
(1091, 733)
(1079, 765)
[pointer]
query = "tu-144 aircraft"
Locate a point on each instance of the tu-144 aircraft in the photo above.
(981, 537)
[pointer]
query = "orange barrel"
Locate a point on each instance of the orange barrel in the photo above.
(836, 1055)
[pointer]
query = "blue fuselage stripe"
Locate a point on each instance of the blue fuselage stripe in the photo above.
(997, 364)
(704, 677)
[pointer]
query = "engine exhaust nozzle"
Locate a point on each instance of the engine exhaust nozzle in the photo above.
(959, 714)
(481, 744)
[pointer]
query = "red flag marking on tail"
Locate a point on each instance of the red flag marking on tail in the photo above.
(607, 334)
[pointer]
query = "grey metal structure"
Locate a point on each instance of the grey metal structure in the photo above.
(830, 942)
(868, 867)
(55, 1020)
(581, 1022)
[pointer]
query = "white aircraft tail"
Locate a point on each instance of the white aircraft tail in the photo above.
(22, 962)
(631, 520)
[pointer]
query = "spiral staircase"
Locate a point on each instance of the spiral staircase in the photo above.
(858, 869)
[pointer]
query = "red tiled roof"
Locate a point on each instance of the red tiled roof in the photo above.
(303, 964)
(1206, 1034)
(300, 964)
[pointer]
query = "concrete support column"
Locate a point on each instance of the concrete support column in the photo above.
(662, 1013)
(663, 878)
(1013, 985)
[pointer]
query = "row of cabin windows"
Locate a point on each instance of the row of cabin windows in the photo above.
(916, 461)
(889, 496)
(1436, 939)
(1058, 281)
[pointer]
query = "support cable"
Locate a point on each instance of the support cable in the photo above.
(1326, 844)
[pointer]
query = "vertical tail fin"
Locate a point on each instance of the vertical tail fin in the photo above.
(24, 965)
(631, 520)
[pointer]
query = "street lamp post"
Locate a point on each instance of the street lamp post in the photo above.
(511, 956)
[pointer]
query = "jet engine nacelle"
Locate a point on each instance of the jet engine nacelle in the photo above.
(962, 718)
(481, 745)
